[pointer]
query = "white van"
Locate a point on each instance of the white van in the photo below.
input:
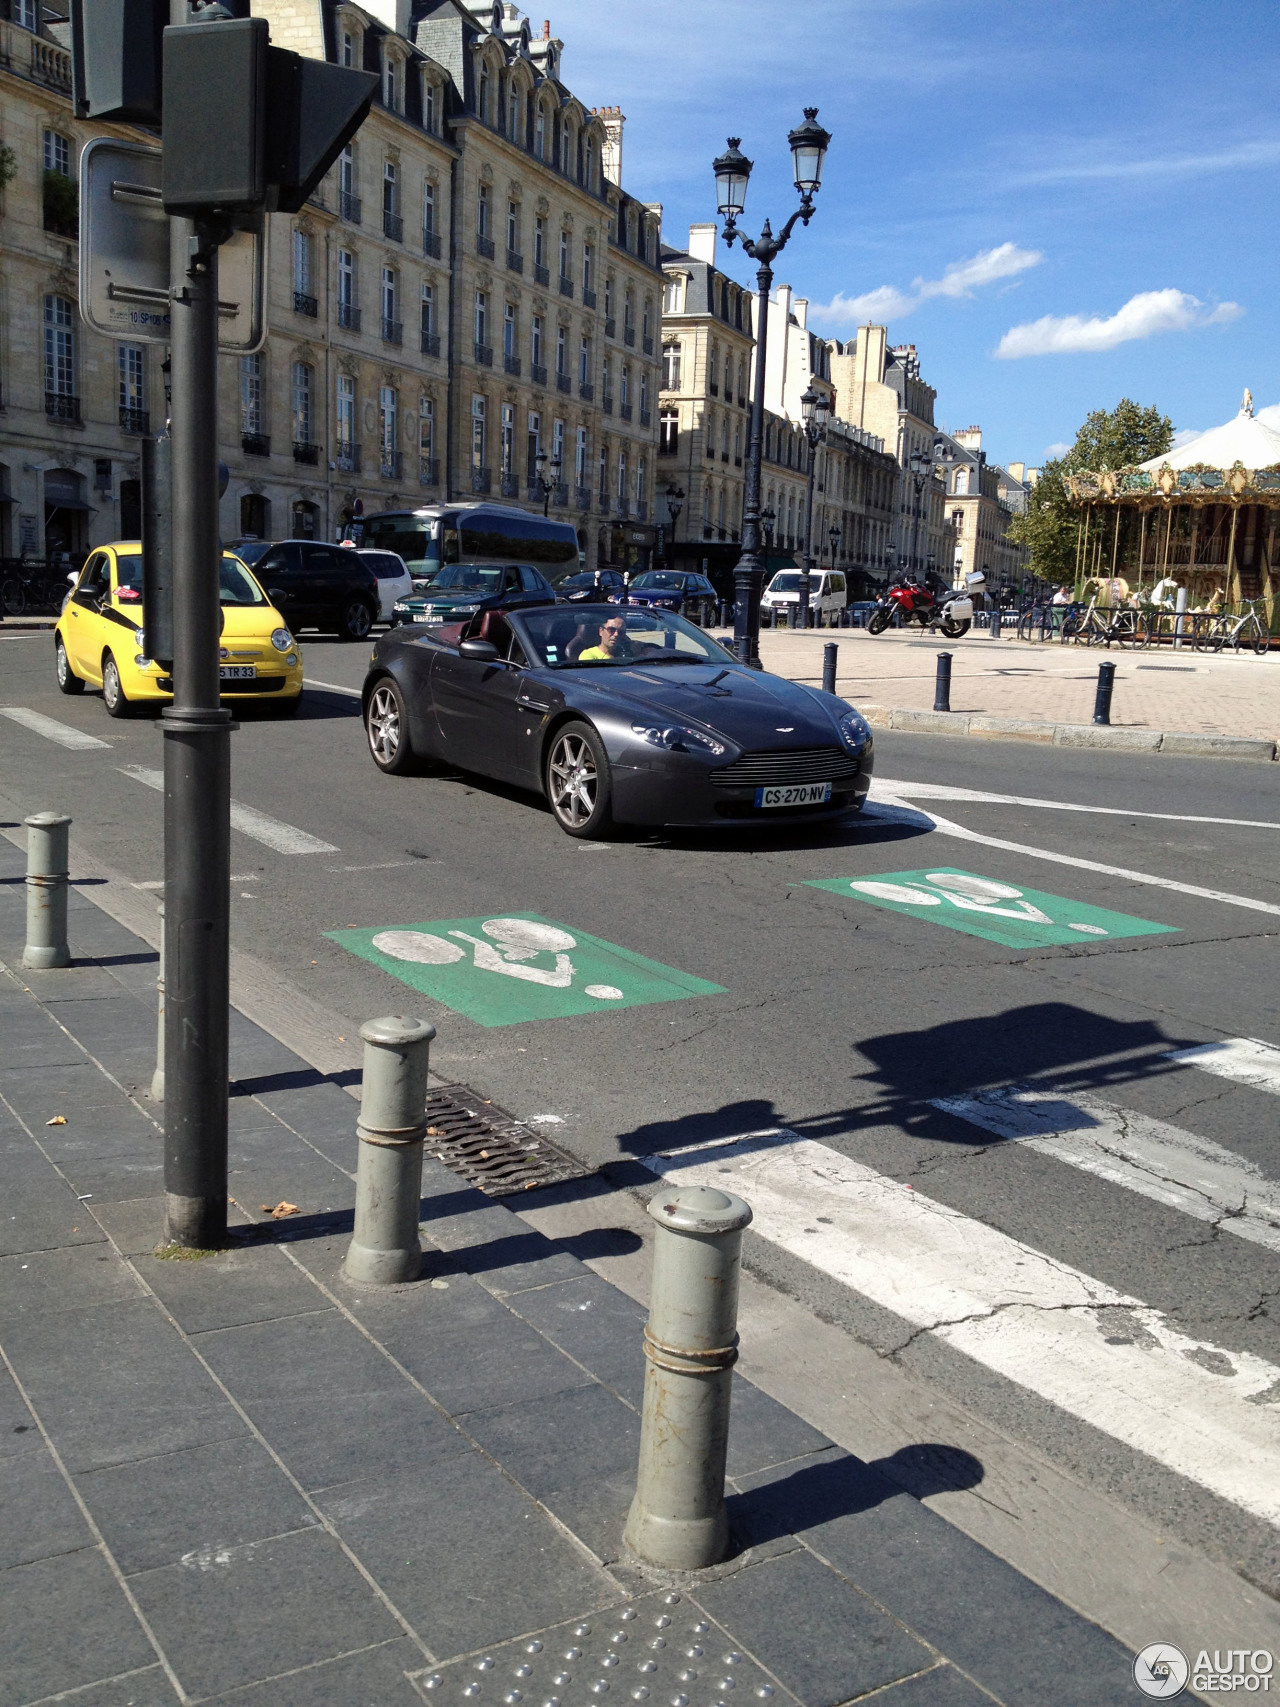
(827, 590)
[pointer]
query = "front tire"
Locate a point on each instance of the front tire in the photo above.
(386, 726)
(877, 622)
(954, 627)
(355, 621)
(113, 696)
(68, 681)
(578, 781)
(13, 600)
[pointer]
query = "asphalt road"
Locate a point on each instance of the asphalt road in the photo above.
(837, 1019)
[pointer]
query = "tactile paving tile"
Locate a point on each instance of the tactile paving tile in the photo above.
(661, 1650)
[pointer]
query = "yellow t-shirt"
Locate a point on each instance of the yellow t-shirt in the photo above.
(593, 655)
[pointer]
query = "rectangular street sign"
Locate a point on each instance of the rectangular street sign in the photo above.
(124, 254)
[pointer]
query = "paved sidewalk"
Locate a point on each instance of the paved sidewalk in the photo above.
(1051, 683)
(239, 1478)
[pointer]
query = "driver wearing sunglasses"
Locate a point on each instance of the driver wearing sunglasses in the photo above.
(613, 643)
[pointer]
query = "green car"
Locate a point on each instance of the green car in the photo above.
(462, 590)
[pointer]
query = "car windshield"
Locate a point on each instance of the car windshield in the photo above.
(560, 640)
(384, 565)
(788, 583)
(236, 586)
(662, 579)
(250, 550)
(469, 578)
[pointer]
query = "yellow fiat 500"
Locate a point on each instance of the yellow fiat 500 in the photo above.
(100, 638)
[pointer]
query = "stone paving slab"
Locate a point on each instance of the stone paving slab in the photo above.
(240, 1476)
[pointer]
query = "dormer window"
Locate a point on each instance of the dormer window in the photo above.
(429, 104)
(589, 164)
(540, 133)
(348, 48)
(514, 127)
(391, 84)
(482, 96)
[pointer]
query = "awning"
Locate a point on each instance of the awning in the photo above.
(69, 504)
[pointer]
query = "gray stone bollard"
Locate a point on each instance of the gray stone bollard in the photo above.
(384, 1249)
(157, 1078)
(47, 877)
(677, 1518)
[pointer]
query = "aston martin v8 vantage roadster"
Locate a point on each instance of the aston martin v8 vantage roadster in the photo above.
(626, 716)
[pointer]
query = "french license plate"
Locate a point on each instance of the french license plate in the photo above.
(237, 672)
(799, 794)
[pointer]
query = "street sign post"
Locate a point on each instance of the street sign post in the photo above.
(124, 255)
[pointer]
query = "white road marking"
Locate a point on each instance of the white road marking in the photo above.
(236, 877)
(384, 865)
(284, 838)
(1109, 1359)
(884, 788)
(331, 687)
(1242, 1058)
(50, 728)
(1148, 1156)
(901, 813)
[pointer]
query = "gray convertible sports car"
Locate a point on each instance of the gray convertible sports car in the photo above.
(626, 716)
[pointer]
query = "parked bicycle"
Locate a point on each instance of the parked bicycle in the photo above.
(35, 588)
(1094, 627)
(1212, 633)
(1044, 622)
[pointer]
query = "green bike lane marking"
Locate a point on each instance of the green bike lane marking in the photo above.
(981, 906)
(521, 966)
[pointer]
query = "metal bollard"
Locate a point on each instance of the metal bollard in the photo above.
(157, 1078)
(47, 877)
(942, 687)
(1102, 699)
(384, 1247)
(829, 667)
(677, 1518)
(995, 623)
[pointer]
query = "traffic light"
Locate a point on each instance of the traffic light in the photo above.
(250, 126)
(115, 58)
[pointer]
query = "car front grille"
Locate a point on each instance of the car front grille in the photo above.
(782, 769)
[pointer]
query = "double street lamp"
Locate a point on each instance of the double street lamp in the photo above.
(815, 411)
(546, 487)
(808, 143)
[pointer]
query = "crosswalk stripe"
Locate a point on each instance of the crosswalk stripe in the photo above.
(1240, 1058)
(1147, 1156)
(51, 729)
(1104, 1357)
(284, 838)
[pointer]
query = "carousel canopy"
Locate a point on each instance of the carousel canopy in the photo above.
(1237, 463)
(1244, 440)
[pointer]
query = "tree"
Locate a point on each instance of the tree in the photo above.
(1110, 438)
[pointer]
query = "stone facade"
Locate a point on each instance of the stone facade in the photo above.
(979, 510)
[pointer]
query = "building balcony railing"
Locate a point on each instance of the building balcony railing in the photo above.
(566, 286)
(737, 462)
(711, 451)
(480, 481)
(515, 261)
(484, 354)
(390, 464)
(509, 486)
(582, 497)
(392, 331)
(50, 65)
(602, 499)
(743, 402)
(707, 530)
(610, 327)
(588, 297)
(305, 451)
(537, 373)
(349, 207)
(59, 406)
(349, 316)
(646, 418)
(511, 365)
(304, 304)
(606, 403)
(392, 226)
(541, 274)
(135, 420)
(586, 390)
(668, 446)
(629, 335)
(484, 246)
(642, 510)
(347, 457)
(623, 508)
(428, 471)
(647, 344)
(255, 444)
(431, 343)
(624, 409)
(563, 382)
(713, 388)
(724, 456)
(560, 494)
(431, 242)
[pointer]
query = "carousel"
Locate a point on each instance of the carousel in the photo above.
(1193, 530)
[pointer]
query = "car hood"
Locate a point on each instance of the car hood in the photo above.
(752, 708)
(250, 622)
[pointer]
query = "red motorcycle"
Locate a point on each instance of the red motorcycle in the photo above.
(950, 612)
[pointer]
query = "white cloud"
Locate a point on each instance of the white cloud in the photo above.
(1054, 451)
(961, 278)
(1144, 315)
(1186, 436)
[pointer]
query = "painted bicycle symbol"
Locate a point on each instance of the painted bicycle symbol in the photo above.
(510, 948)
(968, 893)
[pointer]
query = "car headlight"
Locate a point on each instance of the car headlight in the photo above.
(855, 731)
(462, 610)
(140, 640)
(281, 639)
(402, 609)
(677, 738)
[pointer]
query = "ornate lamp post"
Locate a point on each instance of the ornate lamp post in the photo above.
(833, 534)
(921, 465)
(675, 503)
(546, 487)
(815, 411)
(943, 456)
(808, 143)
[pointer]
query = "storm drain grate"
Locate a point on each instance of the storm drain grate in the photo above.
(657, 1650)
(482, 1142)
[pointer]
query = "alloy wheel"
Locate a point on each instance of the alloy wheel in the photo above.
(575, 782)
(383, 723)
(356, 621)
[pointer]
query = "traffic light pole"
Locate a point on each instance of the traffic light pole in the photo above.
(197, 768)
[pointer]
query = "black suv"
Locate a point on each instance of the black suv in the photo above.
(314, 585)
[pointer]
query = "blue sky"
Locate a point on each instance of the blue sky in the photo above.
(1058, 204)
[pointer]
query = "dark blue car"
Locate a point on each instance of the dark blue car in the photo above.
(678, 590)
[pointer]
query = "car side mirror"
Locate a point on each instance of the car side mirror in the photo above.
(482, 651)
(72, 578)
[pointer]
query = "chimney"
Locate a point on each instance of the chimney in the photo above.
(393, 13)
(611, 161)
(802, 312)
(546, 29)
(702, 243)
